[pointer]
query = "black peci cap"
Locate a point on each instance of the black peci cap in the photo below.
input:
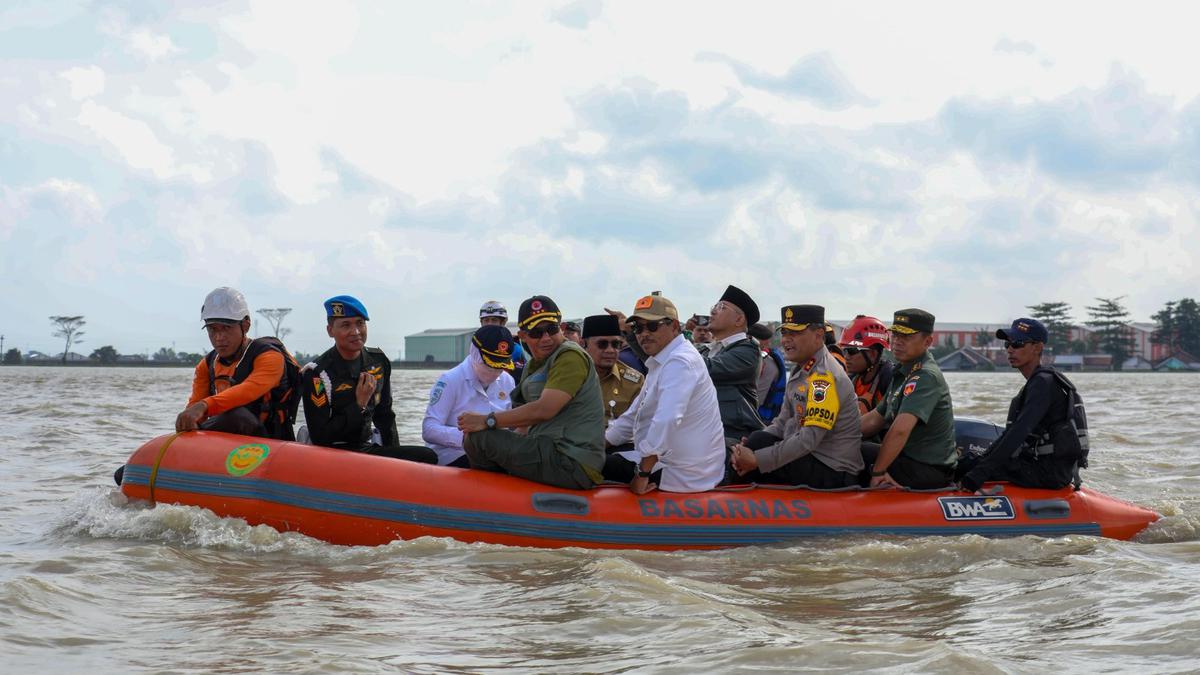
(601, 325)
(740, 299)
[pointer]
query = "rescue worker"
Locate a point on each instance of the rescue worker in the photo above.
(815, 439)
(347, 391)
(863, 342)
(492, 313)
(1045, 438)
(918, 449)
(481, 382)
(674, 424)
(242, 386)
(733, 362)
(557, 399)
(772, 379)
(619, 383)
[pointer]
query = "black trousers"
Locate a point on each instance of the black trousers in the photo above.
(412, 453)
(806, 470)
(907, 471)
(620, 470)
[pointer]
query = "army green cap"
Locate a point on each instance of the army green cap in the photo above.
(909, 321)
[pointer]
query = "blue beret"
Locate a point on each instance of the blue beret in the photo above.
(344, 306)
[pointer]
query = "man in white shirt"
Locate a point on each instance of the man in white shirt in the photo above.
(481, 383)
(674, 422)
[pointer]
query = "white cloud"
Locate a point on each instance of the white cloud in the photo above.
(84, 82)
(153, 46)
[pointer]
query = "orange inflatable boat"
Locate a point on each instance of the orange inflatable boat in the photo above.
(350, 498)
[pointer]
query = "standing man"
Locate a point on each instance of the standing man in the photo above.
(815, 439)
(733, 363)
(242, 386)
(480, 382)
(570, 330)
(918, 450)
(675, 422)
(558, 400)
(1045, 439)
(619, 383)
(347, 391)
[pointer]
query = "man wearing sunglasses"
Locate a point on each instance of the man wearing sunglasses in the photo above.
(557, 400)
(918, 449)
(674, 423)
(864, 342)
(733, 362)
(619, 383)
(1044, 439)
(815, 439)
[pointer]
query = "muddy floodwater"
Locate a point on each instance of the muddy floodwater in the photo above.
(90, 582)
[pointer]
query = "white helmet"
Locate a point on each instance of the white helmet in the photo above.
(493, 308)
(224, 304)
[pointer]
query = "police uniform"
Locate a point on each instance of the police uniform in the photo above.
(919, 388)
(331, 408)
(815, 439)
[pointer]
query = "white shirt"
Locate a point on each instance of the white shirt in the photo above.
(458, 391)
(675, 416)
(725, 342)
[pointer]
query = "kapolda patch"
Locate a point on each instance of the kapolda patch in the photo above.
(821, 409)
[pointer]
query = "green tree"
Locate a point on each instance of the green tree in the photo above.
(1056, 316)
(67, 327)
(105, 354)
(165, 354)
(984, 337)
(189, 357)
(1166, 333)
(12, 357)
(1178, 326)
(946, 348)
(1111, 321)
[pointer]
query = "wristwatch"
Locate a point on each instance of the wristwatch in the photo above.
(491, 420)
(878, 474)
(643, 474)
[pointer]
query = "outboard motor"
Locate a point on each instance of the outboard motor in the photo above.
(972, 437)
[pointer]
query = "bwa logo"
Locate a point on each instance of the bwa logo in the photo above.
(976, 508)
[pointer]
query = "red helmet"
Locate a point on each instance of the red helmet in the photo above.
(865, 331)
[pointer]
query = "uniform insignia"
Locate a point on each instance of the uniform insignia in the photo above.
(318, 396)
(436, 394)
(822, 406)
(337, 309)
(910, 387)
(502, 395)
(644, 303)
(536, 305)
(787, 315)
(632, 375)
(820, 387)
(343, 387)
(811, 362)
(1023, 327)
(502, 348)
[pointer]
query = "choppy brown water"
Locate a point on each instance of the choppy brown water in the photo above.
(89, 582)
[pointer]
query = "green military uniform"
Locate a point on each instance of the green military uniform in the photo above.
(919, 388)
(618, 387)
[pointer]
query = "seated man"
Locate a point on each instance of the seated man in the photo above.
(918, 450)
(347, 391)
(480, 383)
(618, 382)
(1045, 439)
(831, 344)
(772, 377)
(242, 386)
(815, 439)
(558, 399)
(733, 362)
(675, 422)
(863, 342)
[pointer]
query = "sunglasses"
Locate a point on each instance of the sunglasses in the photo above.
(605, 344)
(1014, 345)
(850, 351)
(649, 326)
(537, 333)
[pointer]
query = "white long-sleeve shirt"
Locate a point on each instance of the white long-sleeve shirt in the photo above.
(458, 391)
(675, 416)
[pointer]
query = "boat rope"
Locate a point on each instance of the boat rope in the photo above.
(161, 453)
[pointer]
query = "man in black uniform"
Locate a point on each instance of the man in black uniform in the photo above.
(1042, 441)
(347, 391)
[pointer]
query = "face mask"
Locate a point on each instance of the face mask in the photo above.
(483, 373)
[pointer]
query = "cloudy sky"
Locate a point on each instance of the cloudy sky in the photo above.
(428, 156)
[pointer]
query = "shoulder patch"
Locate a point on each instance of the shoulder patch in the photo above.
(910, 387)
(822, 406)
(435, 394)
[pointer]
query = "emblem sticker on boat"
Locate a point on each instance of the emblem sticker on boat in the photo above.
(246, 458)
(976, 508)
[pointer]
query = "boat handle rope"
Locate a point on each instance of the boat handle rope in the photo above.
(162, 452)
